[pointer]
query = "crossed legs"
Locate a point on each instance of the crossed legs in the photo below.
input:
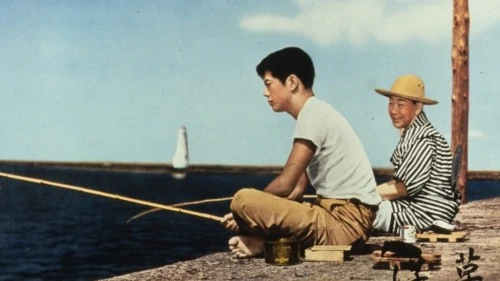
(262, 216)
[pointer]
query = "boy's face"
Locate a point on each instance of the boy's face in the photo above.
(277, 93)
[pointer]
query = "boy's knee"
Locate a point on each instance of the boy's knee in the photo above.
(242, 197)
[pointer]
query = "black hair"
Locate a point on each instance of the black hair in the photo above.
(288, 61)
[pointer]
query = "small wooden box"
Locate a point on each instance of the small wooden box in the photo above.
(390, 260)
(335, 253)
(453, 237)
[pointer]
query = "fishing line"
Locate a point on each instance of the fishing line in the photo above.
(189, 203)
(180, 205)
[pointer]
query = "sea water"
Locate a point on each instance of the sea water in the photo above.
(50, 233)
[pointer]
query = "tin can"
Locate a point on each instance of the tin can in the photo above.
(408, 234)
(284, 251)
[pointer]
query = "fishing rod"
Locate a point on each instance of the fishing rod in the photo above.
(111, 195)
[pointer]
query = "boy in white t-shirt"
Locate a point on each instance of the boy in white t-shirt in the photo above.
(326, 153)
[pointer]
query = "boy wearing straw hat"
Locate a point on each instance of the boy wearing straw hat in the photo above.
(326, 154)
(420, 193)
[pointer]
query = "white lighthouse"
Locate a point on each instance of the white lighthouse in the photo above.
(180, 161)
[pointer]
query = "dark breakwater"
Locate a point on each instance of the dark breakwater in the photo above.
(50, 233)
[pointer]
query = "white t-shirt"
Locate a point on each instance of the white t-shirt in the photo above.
(340, 167)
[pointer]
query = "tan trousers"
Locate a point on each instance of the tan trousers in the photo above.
(326, 222)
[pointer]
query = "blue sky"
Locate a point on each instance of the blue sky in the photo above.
(114, 80)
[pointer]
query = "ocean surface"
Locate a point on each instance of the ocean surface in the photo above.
(51, 233)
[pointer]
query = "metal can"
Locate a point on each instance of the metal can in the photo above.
(283, 251)
(408, 234)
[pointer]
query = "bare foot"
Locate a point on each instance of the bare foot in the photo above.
(246, 246)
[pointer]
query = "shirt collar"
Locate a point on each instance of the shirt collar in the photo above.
(419, 121)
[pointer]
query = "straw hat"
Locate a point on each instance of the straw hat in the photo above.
(410, 87)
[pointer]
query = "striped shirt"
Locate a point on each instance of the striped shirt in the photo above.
(422, 161)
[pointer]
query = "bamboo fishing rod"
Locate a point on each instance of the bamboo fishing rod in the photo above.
(110, 195)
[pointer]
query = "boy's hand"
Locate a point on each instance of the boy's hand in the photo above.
(229, 223)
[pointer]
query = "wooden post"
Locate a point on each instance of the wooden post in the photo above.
(460, 96)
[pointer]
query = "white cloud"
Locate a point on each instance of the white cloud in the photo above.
(327, 22)
(473, 134)
(477, 134)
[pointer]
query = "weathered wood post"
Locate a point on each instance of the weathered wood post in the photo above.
(460, 95)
